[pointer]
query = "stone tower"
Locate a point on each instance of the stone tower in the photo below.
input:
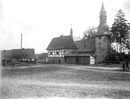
(102, 37)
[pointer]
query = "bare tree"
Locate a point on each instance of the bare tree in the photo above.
(90, 33)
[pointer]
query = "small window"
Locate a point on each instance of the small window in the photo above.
(99, 37)
(99, 43)
(50, 53)
(57, 53)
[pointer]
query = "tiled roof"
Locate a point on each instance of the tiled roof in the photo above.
(62, 42)
(86, 45)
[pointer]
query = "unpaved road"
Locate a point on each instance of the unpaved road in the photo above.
(46, 82)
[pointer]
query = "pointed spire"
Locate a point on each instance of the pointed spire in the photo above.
(71, 31)
(103, 11)
(103, 8)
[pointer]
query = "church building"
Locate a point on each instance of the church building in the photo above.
(73, 50)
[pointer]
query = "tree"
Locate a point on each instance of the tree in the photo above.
(16, 56)
(119, 30)
(42, 56)
(90, 33)
(119, 35)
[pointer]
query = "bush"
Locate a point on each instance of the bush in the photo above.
(112, 57)
(13, 63)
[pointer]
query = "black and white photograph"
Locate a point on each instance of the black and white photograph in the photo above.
(64, 49)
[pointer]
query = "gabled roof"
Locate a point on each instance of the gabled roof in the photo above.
(62, 42)
(86, 45)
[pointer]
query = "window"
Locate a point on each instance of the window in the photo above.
(50, 53)
(57, 53)
(99, 37)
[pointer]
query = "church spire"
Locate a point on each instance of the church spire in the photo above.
(103, 27)
(103, 15)
(71, 31)
(103, 11)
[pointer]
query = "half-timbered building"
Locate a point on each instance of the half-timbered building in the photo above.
(59, 47)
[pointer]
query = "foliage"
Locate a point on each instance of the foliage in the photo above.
(19, 55)
(42, 56)
(119, 30)
(90, 33)
(13, 63)
(113, 56)
(16, 56)
(24, 55)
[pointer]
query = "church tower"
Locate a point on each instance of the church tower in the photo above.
(102, 37)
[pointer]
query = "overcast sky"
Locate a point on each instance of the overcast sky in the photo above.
(41, 20)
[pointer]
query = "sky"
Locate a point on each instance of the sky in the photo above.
(41, 20)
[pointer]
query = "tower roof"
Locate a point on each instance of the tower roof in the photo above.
(103, 28)
(103, 11)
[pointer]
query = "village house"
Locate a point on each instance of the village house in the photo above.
(65, 49)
